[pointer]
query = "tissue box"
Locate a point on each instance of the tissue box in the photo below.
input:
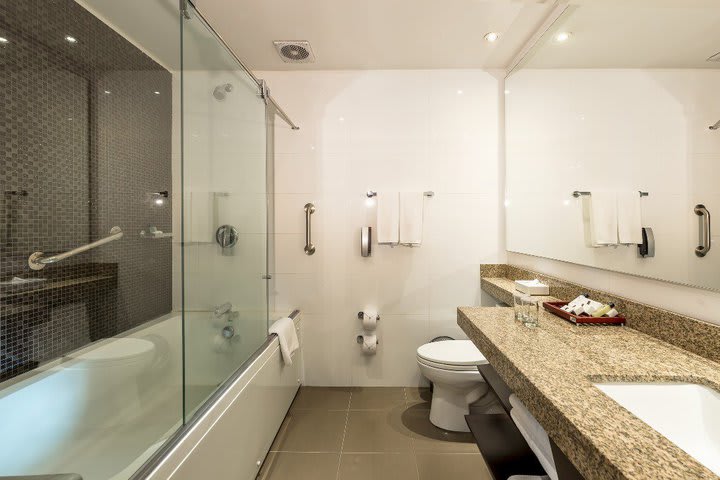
(532, 287)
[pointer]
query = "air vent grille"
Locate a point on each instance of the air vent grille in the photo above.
(294, 51)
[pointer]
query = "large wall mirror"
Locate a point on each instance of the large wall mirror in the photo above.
(611, 128)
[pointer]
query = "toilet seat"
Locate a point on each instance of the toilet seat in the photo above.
(116, 351)
(456, 355)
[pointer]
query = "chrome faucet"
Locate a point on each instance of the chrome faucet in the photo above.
(222, 309)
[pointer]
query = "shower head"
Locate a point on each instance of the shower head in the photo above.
(222, 90)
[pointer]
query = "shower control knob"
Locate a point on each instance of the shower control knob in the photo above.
(226, 236)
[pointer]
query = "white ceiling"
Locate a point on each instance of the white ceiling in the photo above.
(633, 34)
(377, 34)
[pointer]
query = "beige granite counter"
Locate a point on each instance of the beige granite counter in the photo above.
(552, 369)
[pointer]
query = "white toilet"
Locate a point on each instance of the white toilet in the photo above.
(451, 366)
(107, 378)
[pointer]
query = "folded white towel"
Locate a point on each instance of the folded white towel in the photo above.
(536, 436)
(603, 218)
(411, 218)
(285, 330)
(388, 218)
(629, 217)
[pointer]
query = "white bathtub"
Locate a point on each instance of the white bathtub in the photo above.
(48, 424)
(51, 420)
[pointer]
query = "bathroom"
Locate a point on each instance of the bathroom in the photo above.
(381, 240)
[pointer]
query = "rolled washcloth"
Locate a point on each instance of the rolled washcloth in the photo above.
(285, 330)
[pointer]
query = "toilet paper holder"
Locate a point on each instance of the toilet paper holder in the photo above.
(361, 315)
(360, 339)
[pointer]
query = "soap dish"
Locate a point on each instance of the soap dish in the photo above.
(582, 319)
(532, 287)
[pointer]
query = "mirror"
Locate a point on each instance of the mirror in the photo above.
(618, 98)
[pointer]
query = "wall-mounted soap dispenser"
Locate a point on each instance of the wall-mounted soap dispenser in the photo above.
(366, 241)
(647, 247)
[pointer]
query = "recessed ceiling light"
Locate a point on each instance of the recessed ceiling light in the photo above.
(459, 92)
(70, 39)
(562, 37)
(492, 37)
(4, 40)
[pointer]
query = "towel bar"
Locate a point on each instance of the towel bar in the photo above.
(372, 193)
(578, 193)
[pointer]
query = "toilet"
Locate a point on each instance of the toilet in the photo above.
(451, 365)
(107, 377)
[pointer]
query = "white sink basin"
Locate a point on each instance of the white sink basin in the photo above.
(686, 414)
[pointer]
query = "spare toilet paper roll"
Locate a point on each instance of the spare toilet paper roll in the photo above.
(369, 322)
(369, 346)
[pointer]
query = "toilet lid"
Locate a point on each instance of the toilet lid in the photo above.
(117, 349)
(452, 352)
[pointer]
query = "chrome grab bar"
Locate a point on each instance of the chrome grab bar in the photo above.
(309, 247)
(37, 261)
(705, 234)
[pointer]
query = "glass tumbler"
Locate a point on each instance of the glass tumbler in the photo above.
(530, 312)
(518, 307)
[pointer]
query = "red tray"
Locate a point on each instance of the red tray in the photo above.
(582, 319)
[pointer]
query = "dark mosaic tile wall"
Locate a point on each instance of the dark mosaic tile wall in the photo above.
(85, 138)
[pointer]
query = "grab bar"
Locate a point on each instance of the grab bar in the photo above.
(578, 193)
(38, 262)
(705, 234)
(309, 247)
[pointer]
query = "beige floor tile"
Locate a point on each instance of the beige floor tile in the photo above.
(377, 466)
(322, 398)
(377, 398)
(426, 437)
(418, 397)
(376, 431)
(455, 466)
(311, 431)
(299, 466)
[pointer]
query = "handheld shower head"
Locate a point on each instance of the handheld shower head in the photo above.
(221, 91)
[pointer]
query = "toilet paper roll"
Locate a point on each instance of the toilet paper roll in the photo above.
(369, 346)
(369, 322)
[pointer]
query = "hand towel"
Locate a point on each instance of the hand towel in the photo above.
(534, 434)
(411, 218)
(388, 218)
(629, 217)
(603, 218)
(285, 330)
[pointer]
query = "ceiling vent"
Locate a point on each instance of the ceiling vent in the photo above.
(714, 58)
(294, 51)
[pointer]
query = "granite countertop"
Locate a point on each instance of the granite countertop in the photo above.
(552, 369)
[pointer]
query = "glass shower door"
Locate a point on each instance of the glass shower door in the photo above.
(224, 212)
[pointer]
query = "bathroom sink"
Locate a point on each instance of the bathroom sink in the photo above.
(685, 413)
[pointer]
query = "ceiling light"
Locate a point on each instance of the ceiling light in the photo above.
(107, 92)
(156, 92)
(492, 37)
(4, 40)
(70, 39)
(561, 37)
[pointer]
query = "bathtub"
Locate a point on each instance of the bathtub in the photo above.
(52, 419)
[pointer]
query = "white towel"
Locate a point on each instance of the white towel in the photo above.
(388, 218)
(603, 218)
(629, 217)
(285, 330)
(536, 436)
(411, 218)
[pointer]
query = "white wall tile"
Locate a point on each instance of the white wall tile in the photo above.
(383, 130)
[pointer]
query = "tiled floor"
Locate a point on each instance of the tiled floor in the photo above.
(369, 434)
